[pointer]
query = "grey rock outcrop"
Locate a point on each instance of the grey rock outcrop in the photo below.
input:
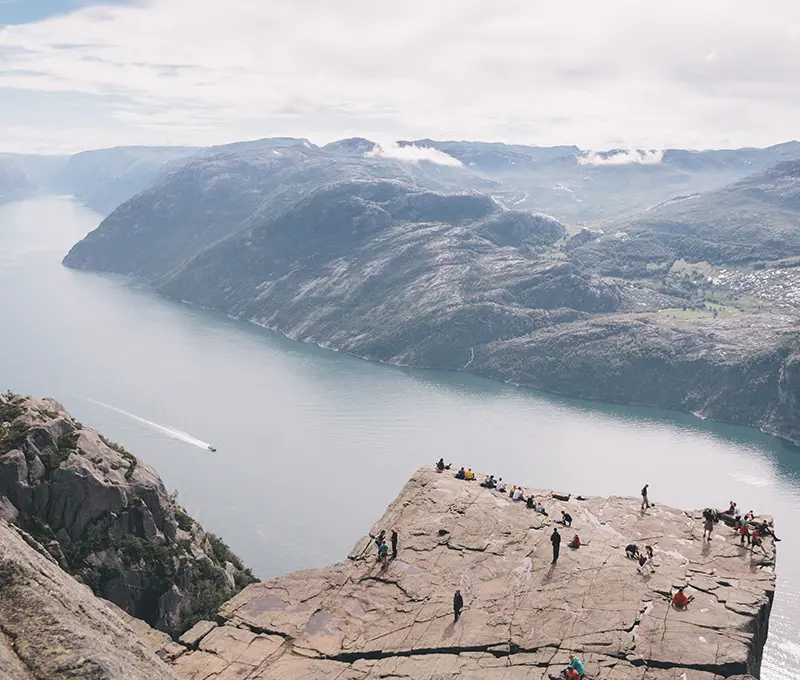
(106, 517)
(52, 627)
(523, 615)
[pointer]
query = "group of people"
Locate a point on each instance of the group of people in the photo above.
(383, 548)
(645, 559)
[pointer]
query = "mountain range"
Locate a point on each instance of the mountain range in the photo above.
(656, 277)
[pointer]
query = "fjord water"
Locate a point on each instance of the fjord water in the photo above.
(312, 444)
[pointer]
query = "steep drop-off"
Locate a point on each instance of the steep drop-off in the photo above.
(106, 518)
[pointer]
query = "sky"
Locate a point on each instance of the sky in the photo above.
(78, 74)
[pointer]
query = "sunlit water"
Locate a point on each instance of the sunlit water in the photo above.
(312, 445)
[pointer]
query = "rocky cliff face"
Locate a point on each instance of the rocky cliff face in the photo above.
(523, 615)
(106, 517)
(52, 627)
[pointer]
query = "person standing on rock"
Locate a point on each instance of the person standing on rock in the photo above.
(645, 501)
(394, 543)
(555, 539)
(458, 605)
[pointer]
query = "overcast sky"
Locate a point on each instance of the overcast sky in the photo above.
(75, 74)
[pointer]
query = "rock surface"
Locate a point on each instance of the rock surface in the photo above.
(106, 518)
(52, 627)
(522, 615)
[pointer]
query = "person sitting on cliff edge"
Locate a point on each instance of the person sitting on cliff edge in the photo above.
(680, 600)
(469, 475)
(489, 482)
(441, 467)
(577, 665)
(575, 543)
(461, 474)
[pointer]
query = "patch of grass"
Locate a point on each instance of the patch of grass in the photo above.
(11, 408)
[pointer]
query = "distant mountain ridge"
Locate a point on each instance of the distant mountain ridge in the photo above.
(399, 255)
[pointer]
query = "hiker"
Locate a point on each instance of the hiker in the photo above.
(577, 665)
(555, 539)
(383, 553)
(517, 493)
(680, 600)
(756, 542)
(461, 474)
(469, 475)
(575, 543)
(512, 490)
(530, 502)
(458, 605)
(489, 482)
(394, 543)
(632, 551)
(380, 538)
(501, 485)
(732, 509)
(646, 560)
(709, 517)
(569, 674)
(539, 508)
(744, 532)
(566, 518)
(441, 467)
(645, 501)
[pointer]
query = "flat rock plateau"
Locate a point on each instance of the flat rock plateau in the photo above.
(522, 617)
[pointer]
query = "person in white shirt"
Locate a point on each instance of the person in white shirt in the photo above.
(517, 494)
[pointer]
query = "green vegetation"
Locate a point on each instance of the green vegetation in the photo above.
(13, 437)
(185, 523)
(221, 553)
(121, 450)
(11, 408)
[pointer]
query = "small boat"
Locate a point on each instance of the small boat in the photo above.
(211, 447)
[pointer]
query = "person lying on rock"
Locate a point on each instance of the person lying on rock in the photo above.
(680, 600)
(566, 518)
(461, 474)
(577, 665)
(766, 529)
(632, 551)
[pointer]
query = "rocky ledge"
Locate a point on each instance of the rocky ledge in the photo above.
(522, 617)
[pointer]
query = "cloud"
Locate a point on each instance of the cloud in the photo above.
(617, 73)
(412, 153)
(621, 157)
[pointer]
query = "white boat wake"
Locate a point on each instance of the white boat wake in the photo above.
(169, 431)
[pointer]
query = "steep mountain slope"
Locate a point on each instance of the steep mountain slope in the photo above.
(14, 181)
(106, 518)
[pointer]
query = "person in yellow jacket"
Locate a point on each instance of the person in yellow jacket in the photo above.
(470, 475)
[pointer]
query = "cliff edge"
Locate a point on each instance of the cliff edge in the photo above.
(522, 614)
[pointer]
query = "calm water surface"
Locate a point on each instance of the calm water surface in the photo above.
(312, 445)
